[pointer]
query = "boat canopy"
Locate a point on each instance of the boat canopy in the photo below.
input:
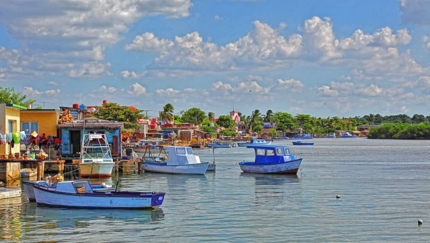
(269, 154)
(180, 155)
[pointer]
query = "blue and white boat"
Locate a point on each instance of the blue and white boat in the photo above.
(272, 159)
(79, 194)
(174, 160)
(254, 141)
(346, 135)
(220, 144)
(28, 187)
(302, 143)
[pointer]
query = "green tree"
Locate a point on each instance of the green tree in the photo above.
(167, 113)
(9, 96)
(193, 115)
(115, 112)
(225, 121)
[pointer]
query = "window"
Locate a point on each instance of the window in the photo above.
(270, 152)
(11, 126)
(260, 152)
(279, 151)
(180, 151)
(287, 151)
(29, 127)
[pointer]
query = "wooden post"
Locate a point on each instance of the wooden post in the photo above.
(40, 169)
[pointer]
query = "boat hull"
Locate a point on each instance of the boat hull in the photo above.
(96, 170)
(289, 167)
(108, 200)
(28, 188)
(197, 168)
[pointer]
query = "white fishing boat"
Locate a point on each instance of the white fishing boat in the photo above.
(79, 194)
(173, 160)
(96, 158)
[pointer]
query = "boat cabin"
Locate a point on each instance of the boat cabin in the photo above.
(269, 154)
(74, 187)
(179, 155)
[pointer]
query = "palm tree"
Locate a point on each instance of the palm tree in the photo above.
(211, 116)
(167, 113)
(269, 116)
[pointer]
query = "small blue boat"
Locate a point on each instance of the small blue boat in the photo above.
(302, 143)
(271, 159)
(254, 141)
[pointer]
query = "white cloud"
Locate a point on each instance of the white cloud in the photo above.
(89, 70)
(104, 89)
(136, 90)
(327, 91)
(57, 34)
(34, 93)
(262, 46)
(290, 85)
(129, 74)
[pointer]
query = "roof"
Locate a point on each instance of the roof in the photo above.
(91, 123)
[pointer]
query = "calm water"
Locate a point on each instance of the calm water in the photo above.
(383, 184)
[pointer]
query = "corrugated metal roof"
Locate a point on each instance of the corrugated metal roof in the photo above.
(91, 122)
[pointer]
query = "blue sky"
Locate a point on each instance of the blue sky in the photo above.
(318, 57)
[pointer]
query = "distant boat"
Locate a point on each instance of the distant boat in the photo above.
(174, 160)
(272, 159)
(302, 143)
(254, 141)
(220, 144)
(79, 194)
(346, 135)
(304, 136)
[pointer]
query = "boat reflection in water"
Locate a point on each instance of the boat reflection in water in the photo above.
(82, 225)
(273, 189)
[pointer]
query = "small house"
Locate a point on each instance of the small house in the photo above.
(71, 134)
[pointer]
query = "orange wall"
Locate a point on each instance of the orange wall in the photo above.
(47, 120)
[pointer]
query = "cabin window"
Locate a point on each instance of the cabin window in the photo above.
(180, 151)
(270, 152)
(189, 151)
(260, 152)
(279, 151)
(287, 151)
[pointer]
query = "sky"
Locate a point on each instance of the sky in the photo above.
(324, 58)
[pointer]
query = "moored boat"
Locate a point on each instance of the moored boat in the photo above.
(79, 194)
(28, 187)
(254, 141)
(174, 160)
(272, 159)
(302, 143)
(95, 158)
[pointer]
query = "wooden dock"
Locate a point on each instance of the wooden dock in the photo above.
(10, 169)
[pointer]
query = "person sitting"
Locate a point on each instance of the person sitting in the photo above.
(43, 140)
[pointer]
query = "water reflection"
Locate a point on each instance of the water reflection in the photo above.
(273, 189)
(10, 224)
